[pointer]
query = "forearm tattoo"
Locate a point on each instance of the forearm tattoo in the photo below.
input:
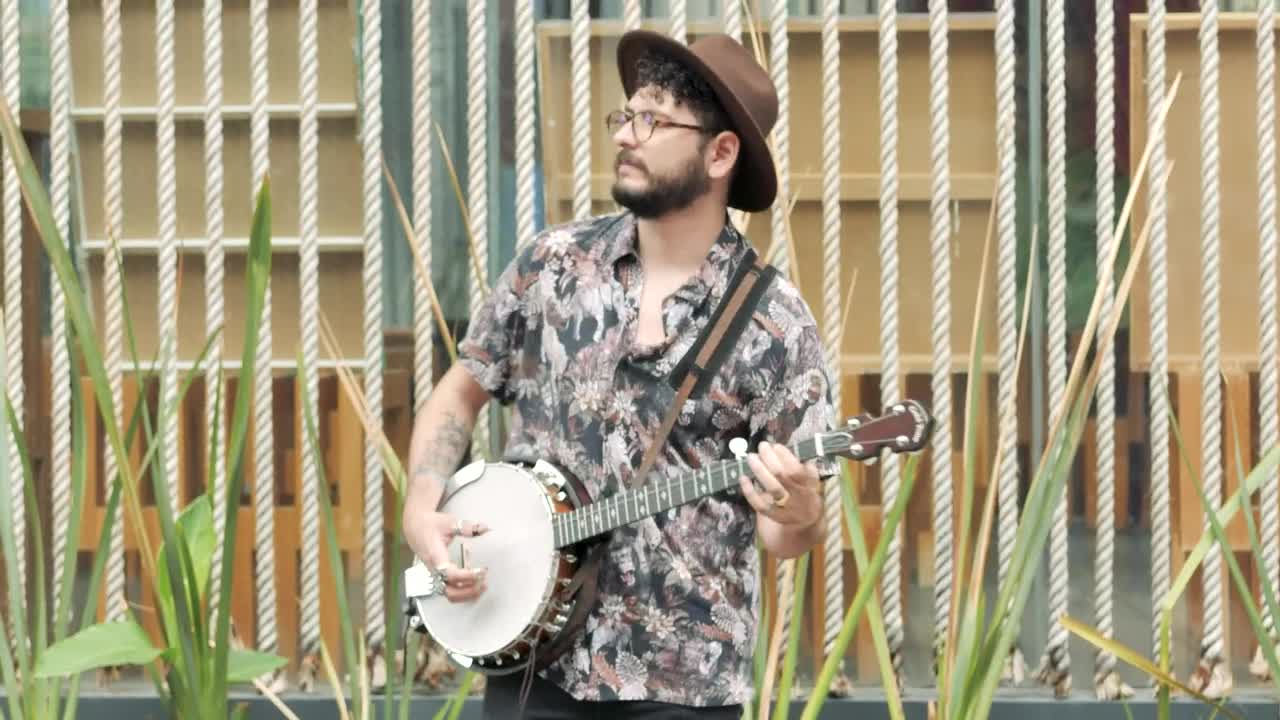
(444, 449)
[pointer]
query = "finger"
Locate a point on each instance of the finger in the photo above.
(765, 476)
(784, 464)
(466, 594)
(758, 501)
(460, 577)
(472, 529)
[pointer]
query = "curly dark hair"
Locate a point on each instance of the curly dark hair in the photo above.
(667, 75)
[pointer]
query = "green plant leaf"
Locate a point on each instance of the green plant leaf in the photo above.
(245, 665)
(866, 585)
(793, 636)
(257, 270)
(102, 645)
(875, 615)
(195, 525)
(330, 525)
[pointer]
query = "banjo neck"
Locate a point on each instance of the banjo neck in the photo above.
(905, 428)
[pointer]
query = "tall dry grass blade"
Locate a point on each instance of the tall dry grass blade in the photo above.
(466, 212)
(786, 608)
(975, 381)
(420, 265)
(1134, 658)
(846, 310)
(372, 426)
(326, 662)
(1108, 272)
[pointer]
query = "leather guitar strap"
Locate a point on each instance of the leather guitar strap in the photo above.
(702, 361)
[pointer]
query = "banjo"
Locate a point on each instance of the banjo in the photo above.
(545, 540)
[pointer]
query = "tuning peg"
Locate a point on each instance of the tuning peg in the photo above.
(738, 446)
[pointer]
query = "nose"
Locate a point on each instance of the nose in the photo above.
(625, 136)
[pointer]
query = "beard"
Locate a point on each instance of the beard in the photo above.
(663, 194)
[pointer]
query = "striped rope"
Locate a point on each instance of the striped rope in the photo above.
(1210, 339)
(167, 206)
(371, 150)
(14, 385)
(1007, 300)
(1106, 680)
(833, 548)
(891, 581)
(309, 295)
(631, 14)
(478, 162)
(423, 317)
(1267, 405)
(263, 421)
(113, 204)
(940, 255)
(777, 254)
(680, 20)
(525, 84)
(778, 44)
(733, 19)
(214, 272)
(1056, 664)
(60, 376)
(1161, 535)
(580, 88)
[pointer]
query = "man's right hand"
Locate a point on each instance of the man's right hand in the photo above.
(428, 534)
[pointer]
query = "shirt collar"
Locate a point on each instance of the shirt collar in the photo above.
(713, 274)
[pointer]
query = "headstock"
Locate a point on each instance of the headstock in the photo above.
(905, 427)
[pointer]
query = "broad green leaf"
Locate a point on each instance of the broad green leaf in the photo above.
(97, 646)
(245, 665)
(196, 525)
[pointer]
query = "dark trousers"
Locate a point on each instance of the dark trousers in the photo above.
(547, 701)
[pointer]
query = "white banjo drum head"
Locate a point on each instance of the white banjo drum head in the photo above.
(518, 553)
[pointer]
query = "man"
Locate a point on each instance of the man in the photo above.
(580, 336)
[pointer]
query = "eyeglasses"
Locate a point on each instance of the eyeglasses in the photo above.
(642, 123)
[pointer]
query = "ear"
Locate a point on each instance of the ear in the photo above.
(722, 155)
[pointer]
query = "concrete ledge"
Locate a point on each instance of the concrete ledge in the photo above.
(1011, 705)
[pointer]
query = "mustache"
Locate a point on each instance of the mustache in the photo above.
(626, 157)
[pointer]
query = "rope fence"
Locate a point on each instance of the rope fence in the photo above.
(885, 190)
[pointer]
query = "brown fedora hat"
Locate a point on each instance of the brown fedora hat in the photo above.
(743, 88)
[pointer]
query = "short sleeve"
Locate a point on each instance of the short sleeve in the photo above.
(497, 328)
(800, 403)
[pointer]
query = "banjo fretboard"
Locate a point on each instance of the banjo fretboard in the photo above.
(654, 497)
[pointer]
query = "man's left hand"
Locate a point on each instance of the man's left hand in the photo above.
(790, 494)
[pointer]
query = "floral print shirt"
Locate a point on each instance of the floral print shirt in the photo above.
(676, 613)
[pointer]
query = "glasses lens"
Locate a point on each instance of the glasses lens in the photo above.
(644, 126)
(615, 120)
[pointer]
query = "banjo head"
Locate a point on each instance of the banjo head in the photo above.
(519, 555)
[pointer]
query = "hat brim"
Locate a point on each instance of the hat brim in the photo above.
(755, 184)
